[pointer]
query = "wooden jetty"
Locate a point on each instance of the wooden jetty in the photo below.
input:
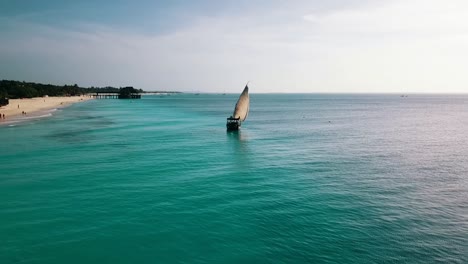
(102, 95)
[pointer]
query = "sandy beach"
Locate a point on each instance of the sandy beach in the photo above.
(16, 107)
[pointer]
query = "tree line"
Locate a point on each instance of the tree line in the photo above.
(16, 89)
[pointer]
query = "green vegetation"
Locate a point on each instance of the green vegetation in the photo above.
(16, 89)
(3, 97)
(3, 101)
(128, 92)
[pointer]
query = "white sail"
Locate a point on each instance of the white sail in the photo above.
(242, 107)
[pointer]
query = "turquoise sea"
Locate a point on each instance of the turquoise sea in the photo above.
(310, 178)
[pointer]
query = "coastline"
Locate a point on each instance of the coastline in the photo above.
(33, 107)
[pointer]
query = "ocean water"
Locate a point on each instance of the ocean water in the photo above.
(308, 179)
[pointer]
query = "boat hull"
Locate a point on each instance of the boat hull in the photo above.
(233, 124)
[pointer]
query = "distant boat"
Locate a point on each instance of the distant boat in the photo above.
(240, 111)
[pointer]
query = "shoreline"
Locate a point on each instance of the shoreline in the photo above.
(36, 107)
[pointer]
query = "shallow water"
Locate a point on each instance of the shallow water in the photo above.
(308, 179)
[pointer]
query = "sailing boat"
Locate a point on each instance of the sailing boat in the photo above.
(240, 111)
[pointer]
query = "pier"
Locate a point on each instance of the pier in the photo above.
(99, 95)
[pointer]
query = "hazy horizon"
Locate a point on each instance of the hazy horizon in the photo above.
(357, 46)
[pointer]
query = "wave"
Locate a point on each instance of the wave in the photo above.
(30, 117)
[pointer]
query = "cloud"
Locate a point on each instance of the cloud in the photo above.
(397, 46)
(414, 16)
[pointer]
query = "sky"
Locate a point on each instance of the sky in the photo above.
(280, 46)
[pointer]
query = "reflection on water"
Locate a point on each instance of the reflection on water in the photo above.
(240, 146)
(239, 135)
(241, 138)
